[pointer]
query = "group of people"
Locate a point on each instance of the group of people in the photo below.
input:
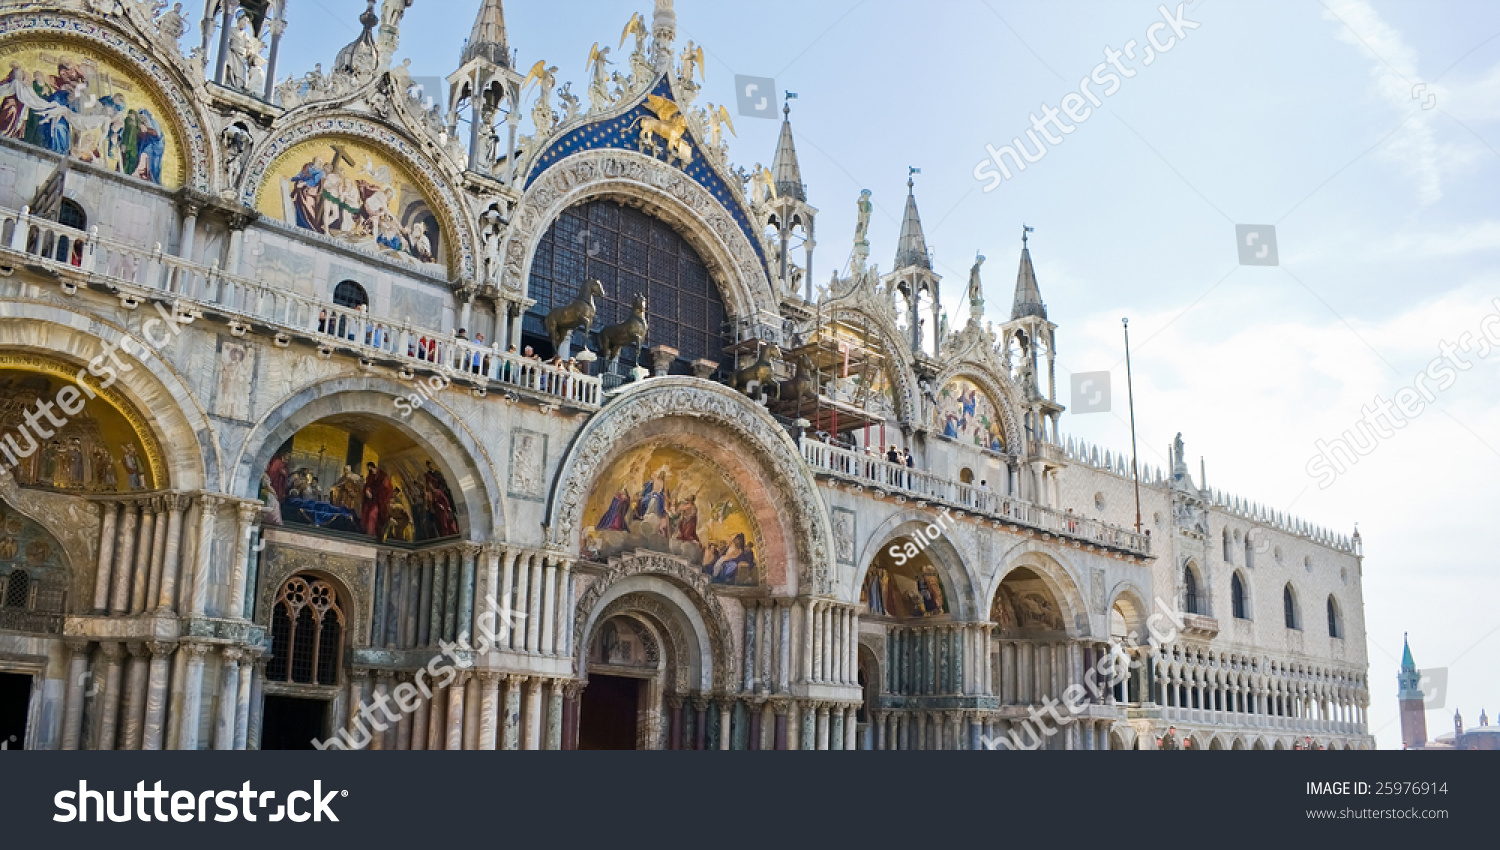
(60, 113)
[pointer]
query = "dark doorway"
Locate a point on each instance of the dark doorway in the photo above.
(610, 713)
(293, 724)
(15, 707)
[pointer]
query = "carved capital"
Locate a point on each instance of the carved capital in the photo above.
(78, 646)
(115, 652)
(161, 649)
(138, 650)
(231, 654)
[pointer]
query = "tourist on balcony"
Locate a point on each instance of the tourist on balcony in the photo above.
(893, 455)
(322, 321)
(476, 362)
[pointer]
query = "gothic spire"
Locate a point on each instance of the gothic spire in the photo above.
(487, 41)
(912, 249)
(1028, 294)
(784, 169)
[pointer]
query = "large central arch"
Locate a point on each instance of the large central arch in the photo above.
(665, 193)
(793, 510)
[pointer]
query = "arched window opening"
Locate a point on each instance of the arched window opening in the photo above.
(1249, 552)
(1335, 627)
(1289, 603)
(1190, 591)
(632, 254)
(1228, 548)
(307, 633)
(966, 476)
(350, 294)
(1237, 594)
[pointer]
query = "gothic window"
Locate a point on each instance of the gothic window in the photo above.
(1249, 552)
(1190, 590)
(1237, 594)
(72, 215)
(307, 633)
(1228, 550)
(1289, 604)
(1335, 627)
(630, 253)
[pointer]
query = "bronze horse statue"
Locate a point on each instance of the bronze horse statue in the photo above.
(562, 321)
(631, 332)
(761, 373)
(803, 383)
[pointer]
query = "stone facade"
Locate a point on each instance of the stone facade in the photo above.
(172, 592)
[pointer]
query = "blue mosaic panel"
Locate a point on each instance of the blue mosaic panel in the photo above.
(622, 133)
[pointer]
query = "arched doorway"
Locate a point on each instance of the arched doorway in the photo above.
(1034, 647)
(624, 667)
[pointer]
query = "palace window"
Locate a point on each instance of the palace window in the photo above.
(630, 253)
(307, 633)
(1335, 627)
(350, 294)
(1289, 604)
(17, 590)
(1190, 590)
(1237, 594)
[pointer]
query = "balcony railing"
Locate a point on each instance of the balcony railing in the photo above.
(878, 473)
(245, 303)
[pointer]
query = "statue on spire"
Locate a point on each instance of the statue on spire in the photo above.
(391, 12)
(598, 66)
(976, 290)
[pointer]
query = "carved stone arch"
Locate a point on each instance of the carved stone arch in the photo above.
(1061, 577)
(74, 525)
(1127, 591)
(188, 454)
(660, 190)
(167, 71)
(801, 515)
(954, 565)
(1002, 391)
(439, 179)
(684, 595)
(457, 451)
(657, 620)
(902, 372)
(349, 577)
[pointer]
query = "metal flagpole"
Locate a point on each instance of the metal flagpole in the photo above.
(1135, 470)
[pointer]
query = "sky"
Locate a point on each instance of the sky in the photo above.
(1366, 132)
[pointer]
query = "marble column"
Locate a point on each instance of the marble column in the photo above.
(247, 513)
(380, 731)
(158, 555)
(166, 602)
(73, 694)
(554, 715)
(192, 694)
(570, 716)
(107, 533)
(145, 545)
(419, 718)
(109, 701)
(473, 708)
(229, 693)
(505, 602)
(156, 695)
(533, 715)
(119, 597)
(466, 577)
(851, 728)
(255, 715)
(437, 719)
(521, 603)
(784, 644)
(779, 738)
(549, 607)
(208, 508)
(489, 710)
(822, 725)
(534, 609)
(133, 715)
(423, 564)
(242, 702)
(700, 722)
(836, 728)
(455, 725)
(511, 739)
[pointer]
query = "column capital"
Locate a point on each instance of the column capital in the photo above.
(161, 649)
(490, 679)
(572, 688)
(231, 654)
(112, 650)
(78, 645)
(514, 679)
(461, 678)
(385, 676)
(249, 512)
(138, 650)
(195, 651)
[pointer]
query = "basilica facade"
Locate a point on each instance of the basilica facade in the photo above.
(334, 418)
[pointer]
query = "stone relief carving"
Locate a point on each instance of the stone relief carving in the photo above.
(528, 465)
(844, 535)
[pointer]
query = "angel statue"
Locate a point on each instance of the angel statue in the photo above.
(718, 119)
(542, 113)
(640, 61)
(692, 58)
(599, 63)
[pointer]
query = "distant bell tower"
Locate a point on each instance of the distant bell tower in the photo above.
(1413, 703)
